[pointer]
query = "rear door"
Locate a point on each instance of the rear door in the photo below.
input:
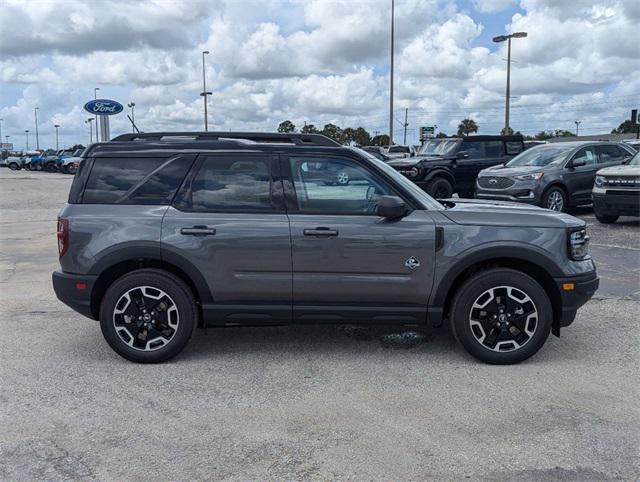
(611, 155)
(579, 180)
(228, 221)
(348, 263)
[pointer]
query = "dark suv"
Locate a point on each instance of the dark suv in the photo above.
(556, 176)
(166, 231)
(445, 166)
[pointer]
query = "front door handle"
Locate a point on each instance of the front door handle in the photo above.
(322, 231)
(198, 231)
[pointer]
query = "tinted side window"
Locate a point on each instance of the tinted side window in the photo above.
(335, 186)
(493, 149)
(611, 154)
(474, 149)
(513, 147)
(588, 154)
(136, 180)
(232, 183)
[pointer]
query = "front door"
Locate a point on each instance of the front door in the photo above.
(228, 221)
(579, 180)
(348, 263)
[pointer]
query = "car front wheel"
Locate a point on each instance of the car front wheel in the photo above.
(148, 316)
(440, 188)
(501, 316)
(555, 199)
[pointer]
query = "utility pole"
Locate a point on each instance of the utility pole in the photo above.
(577, 123)
(35, 111)
(95, 96)
(56, 126)
(26, 134)
(498, 39)
(406, 113)
(391, 76)
(204, 93)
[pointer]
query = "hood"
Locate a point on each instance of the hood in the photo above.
(475, 212)
(622, 170)
(504, 171)
(412, 161)
(70, 160)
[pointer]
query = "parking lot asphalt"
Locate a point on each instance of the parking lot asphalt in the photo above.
(307, 402)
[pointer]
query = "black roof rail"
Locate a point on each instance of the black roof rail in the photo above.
(261, 137)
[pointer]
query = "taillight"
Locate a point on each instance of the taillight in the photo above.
(63, 236)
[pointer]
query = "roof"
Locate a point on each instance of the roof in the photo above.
(597, 137)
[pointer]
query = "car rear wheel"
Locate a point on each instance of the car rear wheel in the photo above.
(501, 316)
(440, 188)
(606, 218)
(51, 167)
(148, 316)
(555, 199)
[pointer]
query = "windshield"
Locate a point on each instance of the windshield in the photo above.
(440, 147)
(635, 160)
(418, 193)
(540, 156)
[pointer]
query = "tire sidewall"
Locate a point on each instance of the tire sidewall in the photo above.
(439, 180)
(168, 283)
(477, 285)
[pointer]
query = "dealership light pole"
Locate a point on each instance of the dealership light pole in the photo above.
(56, 126)
(26, 134)
(89, 121)
(132, 106)
(577, 123)
(498, 39)
(204, 93)
(391, 77)
(95, 96)
(1, 129)
(35, 111)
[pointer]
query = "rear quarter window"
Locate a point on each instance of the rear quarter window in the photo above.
(136, 180)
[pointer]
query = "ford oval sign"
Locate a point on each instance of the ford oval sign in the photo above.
(103, 107)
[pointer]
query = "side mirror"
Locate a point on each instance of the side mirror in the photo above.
(462, 155)
(391, 207)
(576, 163)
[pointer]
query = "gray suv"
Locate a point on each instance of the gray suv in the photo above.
(163, 232)
(555, 176)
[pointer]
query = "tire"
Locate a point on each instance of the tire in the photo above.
(555, 198)
(177, 316)
(606, 218)
(70, 169)
(439, 188)
(51, 167)
(14, 166)
(512, 341)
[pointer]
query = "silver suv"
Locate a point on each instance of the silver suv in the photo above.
(163, 232)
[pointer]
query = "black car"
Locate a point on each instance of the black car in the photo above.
(452, 164)
(555, 176)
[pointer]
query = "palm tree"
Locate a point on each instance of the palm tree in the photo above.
(466, 127)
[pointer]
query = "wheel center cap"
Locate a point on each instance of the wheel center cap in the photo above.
(146, 317)
(502, 318)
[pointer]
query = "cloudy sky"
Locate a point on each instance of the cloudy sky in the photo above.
(317, 61)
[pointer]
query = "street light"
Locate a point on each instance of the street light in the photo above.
(56, 126)
(89, 121)
(204, 92)
(26, 133)
(95, 96)
(498, 39)
(133, 117)
(35, 111)
(577, 123)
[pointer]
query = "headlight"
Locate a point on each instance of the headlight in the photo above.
(578, 244)
(600, 181)
(412, 173)
(530, 177)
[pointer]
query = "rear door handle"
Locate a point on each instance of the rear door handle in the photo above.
(198, 231)
(320, 232)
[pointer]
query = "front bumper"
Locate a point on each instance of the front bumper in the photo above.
(575, 291)
(529, 192)
(74, 290)
(619, 204)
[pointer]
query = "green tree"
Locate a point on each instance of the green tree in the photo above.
(77, 146)
(563, 133)
(332, 131)
(286, 126)
(543, 135)
(627, 127)
(466, 127)
(506, 131)
(309, 129)
(361, 137)
(348, 135)
(440, 135)
(380, 140)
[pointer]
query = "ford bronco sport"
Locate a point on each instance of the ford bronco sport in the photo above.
(163, 232)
